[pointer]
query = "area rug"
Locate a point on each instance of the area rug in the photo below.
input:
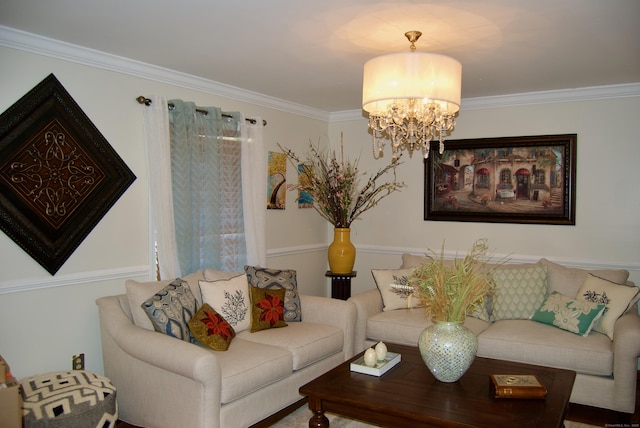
(300, 418)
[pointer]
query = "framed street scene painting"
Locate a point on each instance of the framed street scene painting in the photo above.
(504, 180)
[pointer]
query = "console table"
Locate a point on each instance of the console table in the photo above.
(341, 284)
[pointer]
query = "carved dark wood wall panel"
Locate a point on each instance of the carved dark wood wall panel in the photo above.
(58, 174)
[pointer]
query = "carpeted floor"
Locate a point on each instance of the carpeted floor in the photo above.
(300, 418)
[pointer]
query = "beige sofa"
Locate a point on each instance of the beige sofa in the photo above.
(606, 367)
(166, 382)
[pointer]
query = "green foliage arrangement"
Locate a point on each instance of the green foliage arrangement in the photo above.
(450, 291)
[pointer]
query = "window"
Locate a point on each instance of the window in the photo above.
(483, 178)
(505, 178)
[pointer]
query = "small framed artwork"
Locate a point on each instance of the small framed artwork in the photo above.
(58, 174)
(503, 180)
(276, 180)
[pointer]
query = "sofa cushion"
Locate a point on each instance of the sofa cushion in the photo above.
(410, 261)
(171, 308)
(306, 342)
(519, 291)
(215, 275)
(230, 298)
(138, 292)
(404, 326)
(392, 284)
(567, 281)
(530, 342)
(211, 329)
(575, 315)
(278, 278)
(617, 298)
(248, 366)
(267, 308)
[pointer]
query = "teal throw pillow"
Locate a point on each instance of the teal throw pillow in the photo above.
(575, 315)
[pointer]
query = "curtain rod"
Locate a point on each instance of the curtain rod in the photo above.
(146, 101)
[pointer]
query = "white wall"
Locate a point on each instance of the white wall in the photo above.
(607, 230)
(44, 320)
(42, 328)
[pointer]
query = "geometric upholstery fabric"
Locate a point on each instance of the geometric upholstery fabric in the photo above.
(519, 291)
(76, 398)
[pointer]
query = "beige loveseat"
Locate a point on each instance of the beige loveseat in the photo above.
(166, 382)
(606, 366)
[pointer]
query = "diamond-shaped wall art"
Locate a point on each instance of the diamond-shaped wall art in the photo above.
(58, 174)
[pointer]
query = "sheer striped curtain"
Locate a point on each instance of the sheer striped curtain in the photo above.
(213, 160)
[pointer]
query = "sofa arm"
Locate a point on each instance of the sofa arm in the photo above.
(339, 313)
(176, 356)
(140, 361)
(626, 348)
(368, 303)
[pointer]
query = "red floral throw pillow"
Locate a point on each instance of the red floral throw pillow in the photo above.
(211, 329)
(267, 308)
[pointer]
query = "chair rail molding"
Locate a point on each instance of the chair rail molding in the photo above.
(15, 286)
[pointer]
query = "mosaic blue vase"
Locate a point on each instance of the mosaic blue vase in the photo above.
(448, 349)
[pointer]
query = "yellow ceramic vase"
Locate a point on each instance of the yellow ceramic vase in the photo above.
(342, 253)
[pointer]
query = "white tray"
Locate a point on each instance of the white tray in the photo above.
(380, 368)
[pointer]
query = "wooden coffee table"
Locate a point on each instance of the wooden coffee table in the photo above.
(408, 396)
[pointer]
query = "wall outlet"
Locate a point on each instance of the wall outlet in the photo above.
(77, 362)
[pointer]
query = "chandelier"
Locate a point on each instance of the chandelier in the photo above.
(412, 98)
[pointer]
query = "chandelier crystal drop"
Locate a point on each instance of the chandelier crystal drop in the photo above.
(412, 98)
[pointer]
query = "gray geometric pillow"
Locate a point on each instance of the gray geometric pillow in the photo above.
(171, 309)
(274, 279)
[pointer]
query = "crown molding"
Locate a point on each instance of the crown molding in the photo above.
(542, 97)
(556, 96)
(33, 43)
(28, 42)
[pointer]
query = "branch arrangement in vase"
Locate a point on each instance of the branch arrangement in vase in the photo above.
(334, 184)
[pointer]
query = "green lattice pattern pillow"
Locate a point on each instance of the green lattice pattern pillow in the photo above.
(575, 315)
(519, 291)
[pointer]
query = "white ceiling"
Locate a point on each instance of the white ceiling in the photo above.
(312, 52)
